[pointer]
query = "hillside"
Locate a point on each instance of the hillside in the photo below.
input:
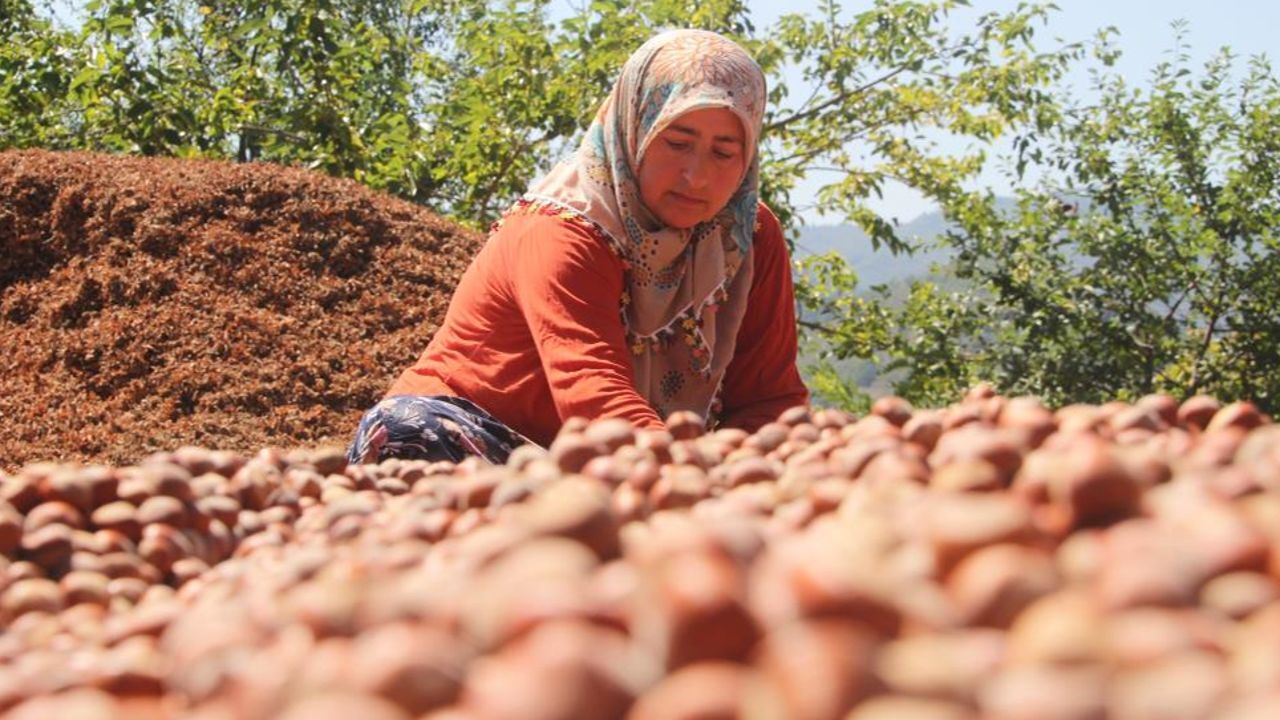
(881, 267)
(876, 266)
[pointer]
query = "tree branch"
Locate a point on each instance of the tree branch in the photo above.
(818, 327)
(263, 130)
(841, 97)
(1204, 349)
(1173, 309)
(836, 100)
(508, 161)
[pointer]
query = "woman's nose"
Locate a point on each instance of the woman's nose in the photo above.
(696, 172)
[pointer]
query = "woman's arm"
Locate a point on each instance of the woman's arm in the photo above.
(762, 380)
(568, 285)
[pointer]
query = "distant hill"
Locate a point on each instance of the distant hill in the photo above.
(876, 267)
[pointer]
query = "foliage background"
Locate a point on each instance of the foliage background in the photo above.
(1140, 255)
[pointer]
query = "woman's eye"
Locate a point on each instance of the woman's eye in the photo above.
(677, 145)
(725, 155)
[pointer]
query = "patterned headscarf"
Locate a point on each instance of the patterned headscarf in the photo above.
(685, 289)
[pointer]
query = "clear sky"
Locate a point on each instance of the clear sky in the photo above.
(1249, 27)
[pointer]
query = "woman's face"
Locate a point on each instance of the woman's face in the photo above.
(692, 168)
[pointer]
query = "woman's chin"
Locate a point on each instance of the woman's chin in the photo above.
(682, 218)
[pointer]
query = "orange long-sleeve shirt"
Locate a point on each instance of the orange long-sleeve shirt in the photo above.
(533, 334)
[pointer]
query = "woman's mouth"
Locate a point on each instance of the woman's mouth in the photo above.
(683, 199)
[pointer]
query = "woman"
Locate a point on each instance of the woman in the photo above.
(639, 278)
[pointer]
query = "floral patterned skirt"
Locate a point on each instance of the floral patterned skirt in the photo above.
(431, 427)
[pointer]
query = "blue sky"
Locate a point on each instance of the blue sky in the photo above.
(1249, 27)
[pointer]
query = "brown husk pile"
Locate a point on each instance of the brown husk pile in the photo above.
(147, 303)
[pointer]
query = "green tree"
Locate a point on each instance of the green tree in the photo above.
(1144, 258)
(326, 84)
(460, 103)
(889, 84)
(1161, 278)
(36, 61)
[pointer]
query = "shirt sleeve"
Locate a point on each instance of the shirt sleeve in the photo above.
(762, 379)
(568, 284)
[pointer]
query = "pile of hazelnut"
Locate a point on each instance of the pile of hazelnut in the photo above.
(992, 559)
